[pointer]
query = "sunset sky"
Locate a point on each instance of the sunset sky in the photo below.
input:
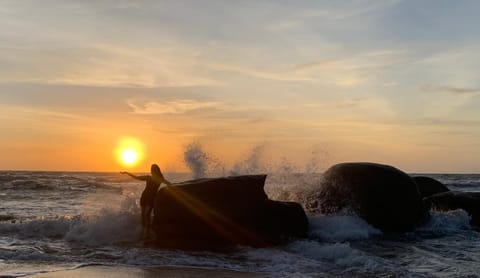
(395, 82)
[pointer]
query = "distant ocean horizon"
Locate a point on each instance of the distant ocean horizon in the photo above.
(218, 174)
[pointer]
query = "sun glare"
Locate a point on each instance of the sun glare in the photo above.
(129, 156)
(129, 151)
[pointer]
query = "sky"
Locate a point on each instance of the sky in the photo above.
(392, 81)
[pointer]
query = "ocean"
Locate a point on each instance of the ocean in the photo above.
(51, 221)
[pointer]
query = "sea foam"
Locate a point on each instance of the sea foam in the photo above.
(445, 223)
(338, 228)
(108, 226)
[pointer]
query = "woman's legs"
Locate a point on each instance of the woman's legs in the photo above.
(146, 220)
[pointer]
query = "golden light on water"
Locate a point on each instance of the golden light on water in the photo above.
(129, 151)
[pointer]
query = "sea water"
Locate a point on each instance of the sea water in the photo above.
(57, 220)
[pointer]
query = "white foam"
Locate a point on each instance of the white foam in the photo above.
(339, 255)
(107, 227)
(308, 256)
(273, 260)
(449, 222)
(325, 251)
(338, 228)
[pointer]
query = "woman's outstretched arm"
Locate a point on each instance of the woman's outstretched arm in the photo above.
(142, 178)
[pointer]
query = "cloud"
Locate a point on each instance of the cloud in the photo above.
(173, 107)
(104, 65)
(257, 72)
(350, 70)
(16, 112)
(340, 70)
(356, 108)
(447, 122)
(348, 9)
(448, 89)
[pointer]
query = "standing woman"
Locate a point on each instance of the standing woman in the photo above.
(147, 200)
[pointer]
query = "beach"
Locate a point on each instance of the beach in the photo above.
(143, 272)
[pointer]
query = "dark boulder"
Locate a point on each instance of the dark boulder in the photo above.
(452, 200)
(428, 186)
(384, 196)
(222, 212)
(280, 219)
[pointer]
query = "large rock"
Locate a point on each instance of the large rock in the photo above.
(428, 186)
(215, 213)
(384, 196)
(452, 200)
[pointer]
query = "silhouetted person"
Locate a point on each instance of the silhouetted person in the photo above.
(148, 195)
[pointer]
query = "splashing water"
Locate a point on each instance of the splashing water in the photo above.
(108, 226)
(196, 159)
(251, 164)
(202, 164)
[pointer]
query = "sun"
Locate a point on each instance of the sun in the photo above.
(129, 156)
(129, 151)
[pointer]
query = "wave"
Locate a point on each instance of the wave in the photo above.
(339, 256)
(339, 228)
(442, 223)
(26, 184)
(338, 245)
(318, 259)
(458, 181)
(466, 184)
(107, 227)
(57, 183)
(110, 226)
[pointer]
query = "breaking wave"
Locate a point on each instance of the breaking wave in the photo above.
(339, 228)
(442, 223)
(107, 227)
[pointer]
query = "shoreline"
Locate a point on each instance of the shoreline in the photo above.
(114, 271)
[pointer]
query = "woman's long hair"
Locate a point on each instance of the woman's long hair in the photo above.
(156, 173)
